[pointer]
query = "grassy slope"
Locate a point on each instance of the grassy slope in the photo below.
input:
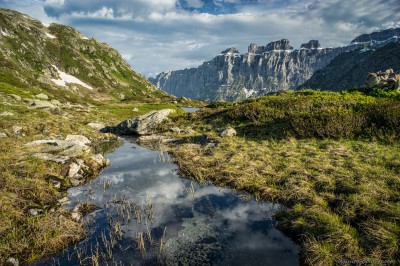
(24, 181)
(332, 159)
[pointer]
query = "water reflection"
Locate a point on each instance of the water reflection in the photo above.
(147, 206)
(190, 109)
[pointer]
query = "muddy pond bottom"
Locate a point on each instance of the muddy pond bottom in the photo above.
(148, 215)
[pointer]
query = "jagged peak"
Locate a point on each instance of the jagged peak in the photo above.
(282, 44)
(231, 50)
(312, 44)
(377, 36)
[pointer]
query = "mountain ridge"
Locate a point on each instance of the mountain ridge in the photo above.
(35, 55)
(274, 67)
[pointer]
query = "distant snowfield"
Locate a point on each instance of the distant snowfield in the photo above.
(66, 78)
(50, 36)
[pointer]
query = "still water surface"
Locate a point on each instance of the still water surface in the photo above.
(148, 215)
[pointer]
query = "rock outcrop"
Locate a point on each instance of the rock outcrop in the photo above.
(140, 125)
(348, 70)
(388, 81)
(262, 70)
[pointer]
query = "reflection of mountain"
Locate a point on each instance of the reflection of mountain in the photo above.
(215, 222)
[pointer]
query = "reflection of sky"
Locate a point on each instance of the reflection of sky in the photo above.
(137, 174)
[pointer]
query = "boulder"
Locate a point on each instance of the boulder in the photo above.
(12, 262)
(6, 113)
(39, 104)
(16, 97)
(141, 125)
(155, 138)
(42, 96)
(96, 126)
(73, 170)
(228, 132)
(16, 129)
(99, 160)
(176, 130)
(76, 150)
(78, 139)
(3, 135)
(388, 80)
(55, 102)
(51, 157)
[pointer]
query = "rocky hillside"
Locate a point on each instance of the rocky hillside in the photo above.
(262, 70)
(60, 58)
(349, 70)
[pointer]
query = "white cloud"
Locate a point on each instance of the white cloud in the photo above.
(164, 36)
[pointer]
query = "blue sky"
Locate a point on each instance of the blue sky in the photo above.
(161, 35)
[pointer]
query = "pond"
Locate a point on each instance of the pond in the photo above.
(148, 215)
(190, 109)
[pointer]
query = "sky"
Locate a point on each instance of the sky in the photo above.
(162, 35)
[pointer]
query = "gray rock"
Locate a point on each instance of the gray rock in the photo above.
(76, 216)
(142, 125)
(42, 96)
(16, 97)
(50, 157)
(155, 138)
(228, 132)
(6, 113)
(55, 102)
(96, 126)
(28, 101)
(12, 262)
(34, 212)
(73, 170)
(3, 135)
(176, 130)
(76, 150)
(39, 104)
(78, 139)
(99, 160)
(16, 129)
(135, 110)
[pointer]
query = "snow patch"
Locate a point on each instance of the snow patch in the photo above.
(50, 36)
(66, 78)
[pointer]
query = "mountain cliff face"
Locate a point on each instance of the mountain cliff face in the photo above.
(263, 69)
(348, 70)
(59, 56)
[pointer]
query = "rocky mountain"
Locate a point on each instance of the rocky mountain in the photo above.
(274, 67)
(59, 57)
(348, 70)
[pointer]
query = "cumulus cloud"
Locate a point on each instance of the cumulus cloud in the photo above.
(162, 35)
